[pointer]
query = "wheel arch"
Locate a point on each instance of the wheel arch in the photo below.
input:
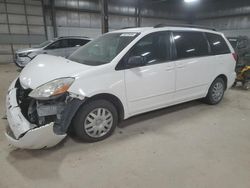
(112, 99)
(225, 79)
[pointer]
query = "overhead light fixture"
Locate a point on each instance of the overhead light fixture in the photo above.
(190, 1)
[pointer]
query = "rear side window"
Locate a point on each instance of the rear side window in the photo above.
(218, 44)
(190, 44)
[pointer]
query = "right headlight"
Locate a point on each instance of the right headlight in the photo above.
(52, 88)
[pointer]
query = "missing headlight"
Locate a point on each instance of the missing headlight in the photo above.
(43, 112)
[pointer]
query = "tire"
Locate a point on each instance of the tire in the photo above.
(212, 97)
(95, 120)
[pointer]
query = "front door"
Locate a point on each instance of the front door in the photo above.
(151, 85)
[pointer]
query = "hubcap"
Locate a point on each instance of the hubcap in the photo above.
(218, 91)
(98, 122)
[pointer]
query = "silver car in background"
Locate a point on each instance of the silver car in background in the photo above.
(62, 46)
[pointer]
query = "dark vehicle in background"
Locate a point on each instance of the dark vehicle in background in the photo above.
(241, 46)
(233, 41)
(62, 46)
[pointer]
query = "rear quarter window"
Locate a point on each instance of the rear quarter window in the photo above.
(218, 44)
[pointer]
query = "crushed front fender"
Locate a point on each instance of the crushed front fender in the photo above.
(22, 133)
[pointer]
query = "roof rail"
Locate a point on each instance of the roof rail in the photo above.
(184, 25)
(72, 37)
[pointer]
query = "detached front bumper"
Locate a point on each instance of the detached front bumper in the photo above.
(21, 133)
(37, 138)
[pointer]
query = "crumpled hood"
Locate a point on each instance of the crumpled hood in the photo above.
(45, 68)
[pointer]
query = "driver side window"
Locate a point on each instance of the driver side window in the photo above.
(154, 48)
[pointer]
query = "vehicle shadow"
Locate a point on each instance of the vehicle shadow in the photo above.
(45, 163)
(158, 113)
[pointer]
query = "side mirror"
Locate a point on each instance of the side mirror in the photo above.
(135, 61)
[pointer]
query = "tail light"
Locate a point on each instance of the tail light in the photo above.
(235, 56)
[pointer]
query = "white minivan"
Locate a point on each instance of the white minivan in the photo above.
(114, 77)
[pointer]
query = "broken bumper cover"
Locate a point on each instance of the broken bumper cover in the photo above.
(21, 133)
(37, 138)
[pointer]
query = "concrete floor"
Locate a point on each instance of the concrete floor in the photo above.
(192, 145)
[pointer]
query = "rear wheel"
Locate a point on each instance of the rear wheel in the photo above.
(95, 121)
(215, 92)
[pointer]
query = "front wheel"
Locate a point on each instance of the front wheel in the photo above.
(215, 92)
(95, 120)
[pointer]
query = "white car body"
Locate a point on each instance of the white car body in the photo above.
(139, 89)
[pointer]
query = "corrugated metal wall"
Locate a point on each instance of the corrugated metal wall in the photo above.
(21, 25)
(232, 18)
(73, 17)
(77, 17)
(230, 26)
(22, 22)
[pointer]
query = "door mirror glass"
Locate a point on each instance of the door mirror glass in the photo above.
(135, 61)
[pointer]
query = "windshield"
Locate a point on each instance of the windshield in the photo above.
(43, 44)
(103, 49)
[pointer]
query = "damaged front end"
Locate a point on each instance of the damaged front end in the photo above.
(38, 123)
